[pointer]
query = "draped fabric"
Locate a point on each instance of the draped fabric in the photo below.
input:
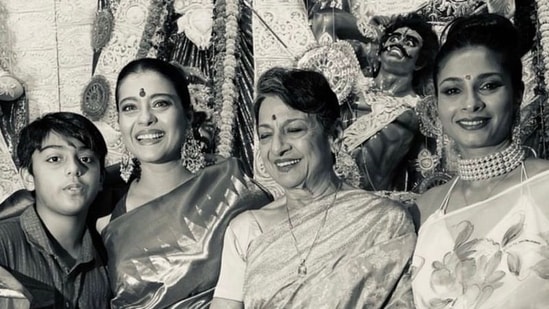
(492, 254)
(358, 261)
(168, 251)
(13, 294)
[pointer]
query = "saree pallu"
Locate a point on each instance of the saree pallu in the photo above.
(167, 252)
(491, 254)
(358, 261)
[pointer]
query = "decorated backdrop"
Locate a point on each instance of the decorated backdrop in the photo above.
(66, 55)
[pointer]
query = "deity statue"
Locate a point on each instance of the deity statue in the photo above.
(393, 57)
(384, 127)
(388, 109)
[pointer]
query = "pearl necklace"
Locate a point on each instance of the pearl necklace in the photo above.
(492, 165)
(302, 268)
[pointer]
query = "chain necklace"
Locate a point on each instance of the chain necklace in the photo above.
(302, 268)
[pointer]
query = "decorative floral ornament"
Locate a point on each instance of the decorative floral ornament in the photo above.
(337, 61)
(196, 21)
(426, 162)
(95, 98)
(368, 29)
(200, 100)
(429, 122)
(200, 96)
(10, 87)
(102, 28)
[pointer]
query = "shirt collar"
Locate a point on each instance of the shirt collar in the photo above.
(35, 232)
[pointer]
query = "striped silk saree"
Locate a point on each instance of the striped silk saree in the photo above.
(358, 261)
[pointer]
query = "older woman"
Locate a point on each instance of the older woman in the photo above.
(164, 236)
(484, 242)
(325, 243)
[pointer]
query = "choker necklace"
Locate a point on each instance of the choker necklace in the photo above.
(302, 268)
(492, 165)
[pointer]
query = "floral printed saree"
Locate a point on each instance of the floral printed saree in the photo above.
(492, 254)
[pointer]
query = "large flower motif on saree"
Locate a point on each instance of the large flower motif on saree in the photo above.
(468, 275)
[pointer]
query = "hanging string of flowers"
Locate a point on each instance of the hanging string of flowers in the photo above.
(543, 19)
(226, 36)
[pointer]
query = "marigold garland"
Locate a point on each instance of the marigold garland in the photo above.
(226, 31)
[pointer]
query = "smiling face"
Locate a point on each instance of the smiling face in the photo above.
(401, 48)
(66, 176)
(151, 118)
(294, 148)
(475, 100)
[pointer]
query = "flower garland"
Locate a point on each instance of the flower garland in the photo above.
(226, 30)
(157, 11)
(543, 19)
(7, 55)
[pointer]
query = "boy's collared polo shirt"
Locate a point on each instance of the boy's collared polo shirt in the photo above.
(29, 254)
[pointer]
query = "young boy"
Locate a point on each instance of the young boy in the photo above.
(48, 248)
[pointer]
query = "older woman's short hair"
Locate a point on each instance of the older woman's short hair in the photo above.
(303, 90)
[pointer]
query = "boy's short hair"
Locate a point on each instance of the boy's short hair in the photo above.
(66, 124)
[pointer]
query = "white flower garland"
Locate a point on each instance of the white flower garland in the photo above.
(543, 19)
(228, 88)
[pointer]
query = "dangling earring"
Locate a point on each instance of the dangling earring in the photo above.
(516, 135)
(192, 157)
(126, 166)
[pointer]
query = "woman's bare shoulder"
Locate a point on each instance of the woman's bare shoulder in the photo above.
(536, 166)
(432, 199)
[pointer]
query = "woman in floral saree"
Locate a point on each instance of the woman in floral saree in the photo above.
(324, 244)
(484, 242)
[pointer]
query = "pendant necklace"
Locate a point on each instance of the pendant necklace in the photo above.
(302, 268)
